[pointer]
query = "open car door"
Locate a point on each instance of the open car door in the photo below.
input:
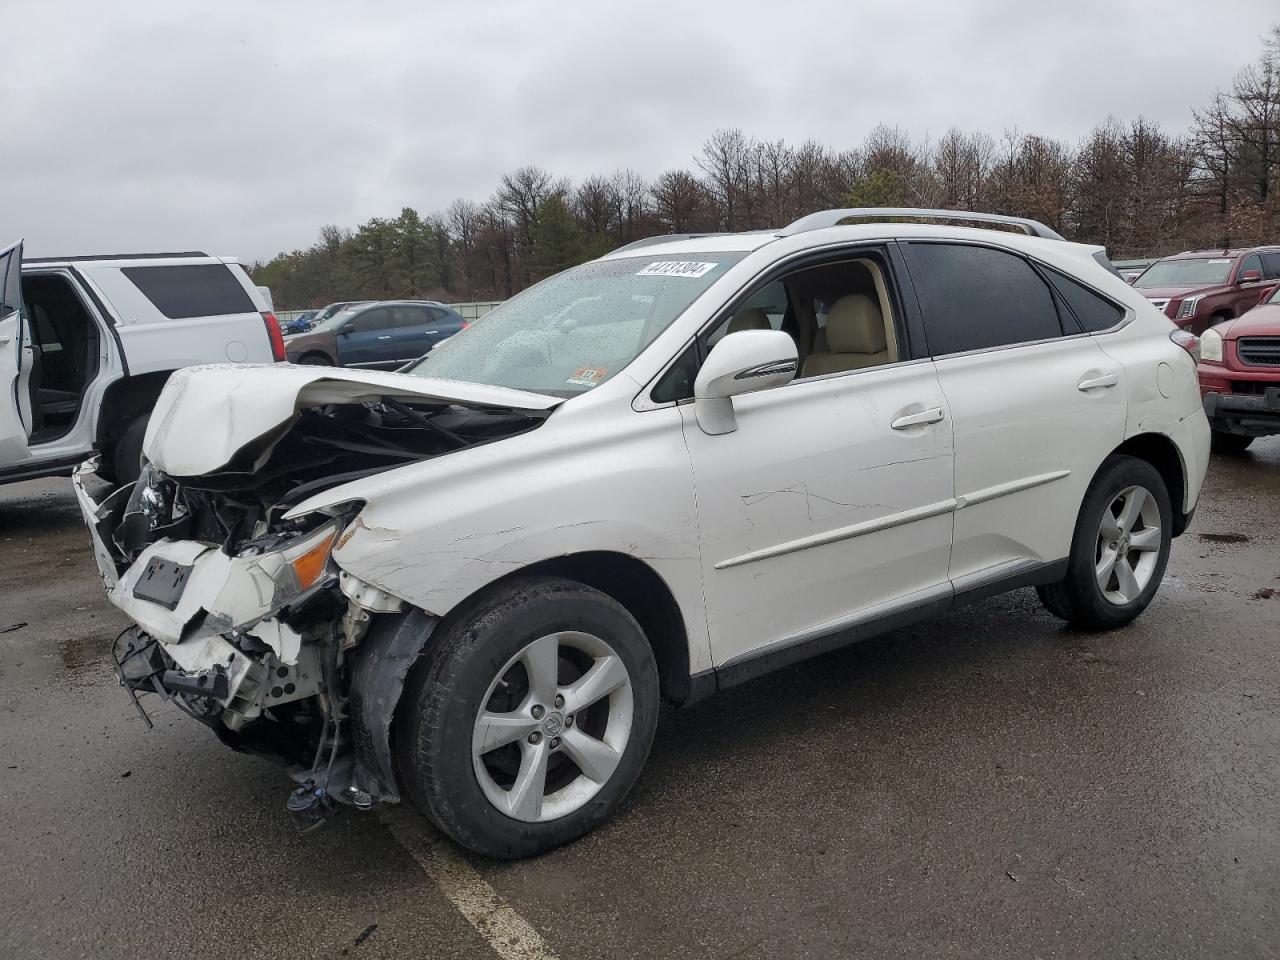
(16, 360)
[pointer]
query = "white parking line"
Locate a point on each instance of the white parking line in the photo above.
(510, 935)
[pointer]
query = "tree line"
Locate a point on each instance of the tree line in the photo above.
(1130, 186)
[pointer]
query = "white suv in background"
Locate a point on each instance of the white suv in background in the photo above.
(655, 475)
(87, 343)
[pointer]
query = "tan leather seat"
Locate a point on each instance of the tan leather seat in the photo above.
(752, 318)
(855, 338)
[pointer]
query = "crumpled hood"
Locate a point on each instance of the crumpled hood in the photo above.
(206, 414)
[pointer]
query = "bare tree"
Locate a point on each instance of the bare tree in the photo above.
(962, 167)
(771, 182)
(681, 202)
(593, 204)
(726, 161)
(629, 193)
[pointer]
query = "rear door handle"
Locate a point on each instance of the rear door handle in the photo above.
(386, 337)
(1106, 380)
(932, 415)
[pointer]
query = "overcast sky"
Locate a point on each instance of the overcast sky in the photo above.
(241, 128)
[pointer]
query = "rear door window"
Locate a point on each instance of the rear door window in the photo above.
(191, 290)
(1090, 311)
(410, 316)
(977, 298)
(377, 319)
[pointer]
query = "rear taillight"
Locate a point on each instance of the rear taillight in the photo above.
(1188, 341)
(274, 335)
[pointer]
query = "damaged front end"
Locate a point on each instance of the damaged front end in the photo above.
(242, 618)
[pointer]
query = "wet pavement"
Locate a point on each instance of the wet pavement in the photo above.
(986, 785)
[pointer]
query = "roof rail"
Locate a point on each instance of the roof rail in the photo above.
(830, 218)
(116, 256)
(665, 238)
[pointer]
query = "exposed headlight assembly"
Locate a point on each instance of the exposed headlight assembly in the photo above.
(286, 572)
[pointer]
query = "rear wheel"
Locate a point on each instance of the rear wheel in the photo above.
(1223, 442)
(1119, 550)
(529, 717)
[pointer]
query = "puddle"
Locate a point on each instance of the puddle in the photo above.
(1224, 538)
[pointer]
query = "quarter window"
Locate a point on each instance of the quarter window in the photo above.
(976, 298)
(191, 290)
(1089, 311)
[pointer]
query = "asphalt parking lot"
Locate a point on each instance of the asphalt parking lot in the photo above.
(988, 785)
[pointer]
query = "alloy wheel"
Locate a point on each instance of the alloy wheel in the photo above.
(553, 726)
(1129, 543)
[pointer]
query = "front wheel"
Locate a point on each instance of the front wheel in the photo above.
(1119, 550)
(529, 717)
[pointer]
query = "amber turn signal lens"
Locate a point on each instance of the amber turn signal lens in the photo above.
(309, 567)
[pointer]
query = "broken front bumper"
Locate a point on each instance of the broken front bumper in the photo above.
(213, 636)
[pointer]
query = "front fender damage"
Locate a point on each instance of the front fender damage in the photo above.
(389, 650)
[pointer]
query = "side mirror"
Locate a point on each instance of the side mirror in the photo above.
(742, 362)
(1249, 276)
(346, 329)
(1267, 292)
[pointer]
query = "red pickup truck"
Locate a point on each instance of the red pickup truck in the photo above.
(1240, 376)
(1199, 288)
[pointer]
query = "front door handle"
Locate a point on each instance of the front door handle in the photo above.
(387, 337)
(932, 415)
(1106, 380)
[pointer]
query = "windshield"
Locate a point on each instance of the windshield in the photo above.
(1186, 273)
(577, 329)
(340, 307)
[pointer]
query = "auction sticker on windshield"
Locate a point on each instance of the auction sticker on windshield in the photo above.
(677, 268)
(588, 376)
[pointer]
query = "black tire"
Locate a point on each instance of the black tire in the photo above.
(315, 360)
(443, 695)
(1222, 442)
(1077, 598)
(126, 452)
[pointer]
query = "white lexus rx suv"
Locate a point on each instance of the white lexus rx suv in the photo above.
(699, 458)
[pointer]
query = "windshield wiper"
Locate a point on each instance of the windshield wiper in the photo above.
(407, 411)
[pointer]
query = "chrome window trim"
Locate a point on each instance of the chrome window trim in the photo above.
(643, 401)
